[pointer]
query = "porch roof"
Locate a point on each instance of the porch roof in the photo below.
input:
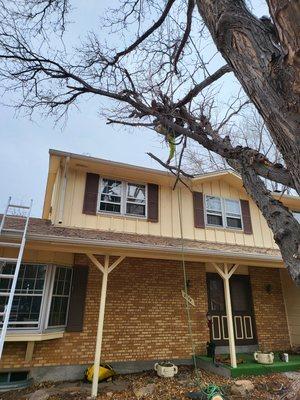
(42, 231)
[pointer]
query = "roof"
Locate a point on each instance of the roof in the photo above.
(44, 230)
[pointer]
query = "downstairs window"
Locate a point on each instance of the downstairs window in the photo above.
(38, 285)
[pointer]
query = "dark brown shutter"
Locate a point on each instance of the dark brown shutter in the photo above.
(77, 298)
(91, 194)
(198, 210)
(246, 217)
(152, 202)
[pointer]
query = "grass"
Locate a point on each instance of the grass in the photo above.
(251, 367)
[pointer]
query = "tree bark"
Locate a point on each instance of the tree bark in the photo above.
(266, 70)
(284, 226)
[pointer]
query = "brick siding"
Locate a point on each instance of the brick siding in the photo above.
(146, 318)
(270, 316)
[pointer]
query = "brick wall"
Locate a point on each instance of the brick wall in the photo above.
(145, 317)
(270, 316)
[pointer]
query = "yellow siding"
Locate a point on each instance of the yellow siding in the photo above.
(40, 256)
(292, 303)
(168, 224)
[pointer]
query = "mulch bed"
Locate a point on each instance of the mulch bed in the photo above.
(268, 387)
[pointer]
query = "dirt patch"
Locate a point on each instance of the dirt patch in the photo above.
(269, 387)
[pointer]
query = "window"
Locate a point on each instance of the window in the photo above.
(25, 311)
(214, 211)
(122, 198)
(233, 214)
(136, 199)
(110, 192)
(296, 214)
(37, 287)
(223, 212)
(60, 297)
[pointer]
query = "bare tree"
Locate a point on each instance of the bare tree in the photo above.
(161, 79)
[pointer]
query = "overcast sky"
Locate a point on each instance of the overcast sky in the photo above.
(25, 144)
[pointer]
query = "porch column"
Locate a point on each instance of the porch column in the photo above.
(226, 274)
(105, 269)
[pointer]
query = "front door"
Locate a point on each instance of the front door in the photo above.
(242, 310)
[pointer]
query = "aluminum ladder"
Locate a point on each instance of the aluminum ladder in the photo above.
(20, 214)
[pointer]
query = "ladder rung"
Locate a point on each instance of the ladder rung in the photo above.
(13, 230)
(16, 206)
(9, 244)
(2, 314)
(13, 216)
(4, 294)
(8, 259)
(6, 276)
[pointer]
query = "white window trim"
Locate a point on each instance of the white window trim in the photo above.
(223, 214)
(123, 203)
(43, 322)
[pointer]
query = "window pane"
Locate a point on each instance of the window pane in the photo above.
(214, 220)
(60, 296)
(111, 190)
(216, 292)
(232, 207)
(213, 203)
(136, 193)
(116, 208)
(135, 209)
(234, 222)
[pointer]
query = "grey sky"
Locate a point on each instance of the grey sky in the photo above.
(25, 144)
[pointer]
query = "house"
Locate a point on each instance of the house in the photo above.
(111, 249)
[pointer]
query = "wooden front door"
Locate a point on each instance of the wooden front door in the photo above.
(242, 310)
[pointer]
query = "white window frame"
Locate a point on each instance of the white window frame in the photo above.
(223, 213)
(43, 322)
(122, 212)
(48, 309)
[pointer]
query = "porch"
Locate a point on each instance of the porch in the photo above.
(248, 366)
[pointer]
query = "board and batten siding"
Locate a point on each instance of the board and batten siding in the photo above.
(168, 221)
(291, 294)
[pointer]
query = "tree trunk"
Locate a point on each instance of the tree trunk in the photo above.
(285, 228)
(267, 72)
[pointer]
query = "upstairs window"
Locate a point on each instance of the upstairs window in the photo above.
(122, 198)
(233, 214)
(111, 194)
(223, 212)
(214, 211)
(136, 199)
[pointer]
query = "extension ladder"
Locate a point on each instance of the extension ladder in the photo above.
(21, 215)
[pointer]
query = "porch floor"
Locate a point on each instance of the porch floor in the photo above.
(250, 366)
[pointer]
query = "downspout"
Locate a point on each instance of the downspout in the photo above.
(63, 191)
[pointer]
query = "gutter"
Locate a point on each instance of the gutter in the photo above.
(147, 247)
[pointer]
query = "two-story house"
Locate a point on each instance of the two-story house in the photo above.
(105, 265)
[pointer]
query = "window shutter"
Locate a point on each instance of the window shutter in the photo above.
(91, 194)
(246, 217)
(152, 202)
(77, 298)
(198, 210)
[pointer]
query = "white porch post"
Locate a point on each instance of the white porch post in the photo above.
(106, 269)
(226, 275)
